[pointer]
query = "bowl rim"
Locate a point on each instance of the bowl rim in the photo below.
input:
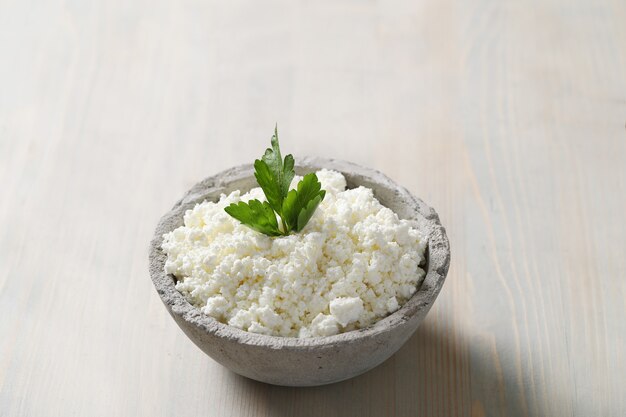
(438, 255)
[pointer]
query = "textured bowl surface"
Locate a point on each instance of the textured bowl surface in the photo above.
(310, 361)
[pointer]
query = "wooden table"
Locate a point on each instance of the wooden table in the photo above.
(506, 116)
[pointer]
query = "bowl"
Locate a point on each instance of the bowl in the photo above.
(304, 361)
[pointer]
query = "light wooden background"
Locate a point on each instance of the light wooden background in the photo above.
(507, 116)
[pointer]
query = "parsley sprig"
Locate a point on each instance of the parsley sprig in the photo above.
(294, 207)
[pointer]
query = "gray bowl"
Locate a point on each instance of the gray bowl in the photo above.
(310, 361)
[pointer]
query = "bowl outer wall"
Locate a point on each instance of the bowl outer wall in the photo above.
(304, 361)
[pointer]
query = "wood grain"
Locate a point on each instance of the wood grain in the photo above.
(507, 117)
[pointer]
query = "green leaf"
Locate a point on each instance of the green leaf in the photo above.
(290, 210)
(300, 204)
(256, 215)
(295, 207)
(307, 212)
(270, 187)
(276, 176)
(288, 174)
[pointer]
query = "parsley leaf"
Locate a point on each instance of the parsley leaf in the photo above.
(295, 207)
(273, 174)
(300, 204)
(256, 215)
(265, 179)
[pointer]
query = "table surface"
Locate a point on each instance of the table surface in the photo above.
(508, 117)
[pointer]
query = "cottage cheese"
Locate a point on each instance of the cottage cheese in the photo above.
(354, 263)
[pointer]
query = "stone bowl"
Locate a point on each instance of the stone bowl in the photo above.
(309, 361)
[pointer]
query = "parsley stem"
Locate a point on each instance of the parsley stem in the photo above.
(285, 231)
